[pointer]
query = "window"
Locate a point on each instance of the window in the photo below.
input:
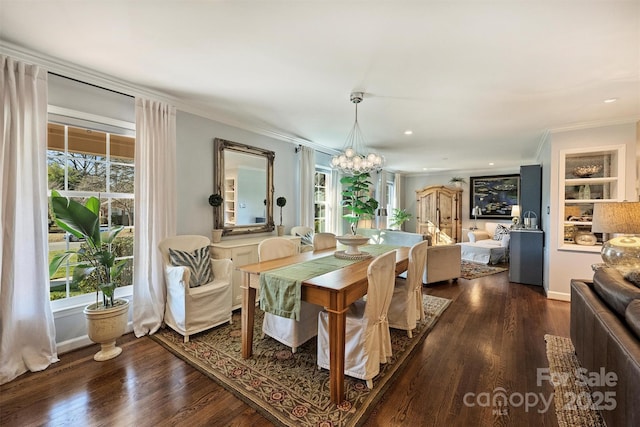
(84, 162)
(321, 200)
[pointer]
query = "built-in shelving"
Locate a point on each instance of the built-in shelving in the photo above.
(230, 201)
(581, 190)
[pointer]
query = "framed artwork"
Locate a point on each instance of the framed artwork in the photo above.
(494, 195)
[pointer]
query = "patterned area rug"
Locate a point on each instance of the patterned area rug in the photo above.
(571, 400)
(288, 388)
(473, 270)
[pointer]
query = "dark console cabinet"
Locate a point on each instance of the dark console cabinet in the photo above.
(526, 256)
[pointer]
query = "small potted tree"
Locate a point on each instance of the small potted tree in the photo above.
(215, 200)
(399, 217)
(106, 319)
(281, 202)
(356, 199)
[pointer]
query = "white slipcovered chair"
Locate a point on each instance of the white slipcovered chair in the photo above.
(301, 230)
(290, 332)
(189, 310)
(306, 237)
(406, 305)
(367, 338)
(324, 241)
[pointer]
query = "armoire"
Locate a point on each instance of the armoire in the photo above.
(439, 213)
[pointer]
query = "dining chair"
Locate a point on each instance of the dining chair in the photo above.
(306, 237)
(324, 241)
(367, 337)
(406, 304)
(198, 297)
(290, 332)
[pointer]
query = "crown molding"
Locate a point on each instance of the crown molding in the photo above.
(97, 78)
(594, 124)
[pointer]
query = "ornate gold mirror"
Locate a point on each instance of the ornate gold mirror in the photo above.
(244, 178)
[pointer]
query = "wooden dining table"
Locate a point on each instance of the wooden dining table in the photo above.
(335, 291)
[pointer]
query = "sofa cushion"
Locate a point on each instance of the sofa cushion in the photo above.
(614, 290)
(633, 277)
(632, 316)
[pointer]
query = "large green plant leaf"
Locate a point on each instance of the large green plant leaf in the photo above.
(79, 220)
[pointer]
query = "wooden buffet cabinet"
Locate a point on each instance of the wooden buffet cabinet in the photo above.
(439, 213)
(241, 252)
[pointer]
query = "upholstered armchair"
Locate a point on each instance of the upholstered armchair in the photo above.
(367, 339)
(194, 307)
(306, 237)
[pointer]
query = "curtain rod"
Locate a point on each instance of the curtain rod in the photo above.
(91, 84)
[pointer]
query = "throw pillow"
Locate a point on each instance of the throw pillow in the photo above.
(501, 231)
(198, 261)
(633, 277)
(307, 239)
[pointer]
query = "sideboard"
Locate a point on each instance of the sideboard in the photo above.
(241, 252)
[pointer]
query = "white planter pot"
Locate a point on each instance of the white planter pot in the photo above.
(216, 235)
(280, 229)
(104, 326)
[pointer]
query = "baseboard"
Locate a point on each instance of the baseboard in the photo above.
(561, 296)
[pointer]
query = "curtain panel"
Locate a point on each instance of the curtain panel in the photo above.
(307, 186)
(27, 330)
(155, 209)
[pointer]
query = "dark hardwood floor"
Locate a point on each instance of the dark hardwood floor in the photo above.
(490, 337)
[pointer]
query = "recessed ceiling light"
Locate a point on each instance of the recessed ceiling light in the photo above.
(424, 169)
(610, 100)
(491, 164)
(408, 132)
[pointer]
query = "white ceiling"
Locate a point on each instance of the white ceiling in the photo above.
(476, 81)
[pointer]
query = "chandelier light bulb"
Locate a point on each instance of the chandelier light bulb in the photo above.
(349, 152)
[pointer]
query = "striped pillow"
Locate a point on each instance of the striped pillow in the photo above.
(501, 231)
(198, 261)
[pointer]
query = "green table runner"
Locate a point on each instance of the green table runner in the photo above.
(280, 289)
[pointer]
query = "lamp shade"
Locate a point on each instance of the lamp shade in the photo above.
(477, 210)
(515, 210)
(616, 217)
(623, 252)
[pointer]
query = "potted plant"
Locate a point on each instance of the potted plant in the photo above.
(281, 202)
(356, 199)
(106, 319)
(215, 200)
(457, 181)
(399, 217)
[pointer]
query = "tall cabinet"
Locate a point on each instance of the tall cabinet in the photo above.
(438, 213)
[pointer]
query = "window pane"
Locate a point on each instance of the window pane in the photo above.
(121, 179)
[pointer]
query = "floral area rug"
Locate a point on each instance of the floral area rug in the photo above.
(571, 399)
(288, 388)
(473, 270)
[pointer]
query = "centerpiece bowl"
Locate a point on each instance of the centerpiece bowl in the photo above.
(352, 242)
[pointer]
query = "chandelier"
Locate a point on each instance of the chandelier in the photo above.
(353, 160)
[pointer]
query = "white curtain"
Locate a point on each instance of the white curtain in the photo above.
(307, 185)
(335, 204)
(155, 209)
(397, 186)
(27, 330)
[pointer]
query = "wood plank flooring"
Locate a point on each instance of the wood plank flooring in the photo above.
(490, 337)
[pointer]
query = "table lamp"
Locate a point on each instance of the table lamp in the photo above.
(476, 211)
(515, 213)
(620, 252)
(381, 213)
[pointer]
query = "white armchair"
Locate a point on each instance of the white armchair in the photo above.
(189, 310)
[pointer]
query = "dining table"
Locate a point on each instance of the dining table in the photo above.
(334, 290)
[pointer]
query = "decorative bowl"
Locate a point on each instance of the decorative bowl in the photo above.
(586, 171)
(352, 242)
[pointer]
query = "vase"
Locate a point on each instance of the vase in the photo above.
(216, 235)
(280, 230)
(105, 325)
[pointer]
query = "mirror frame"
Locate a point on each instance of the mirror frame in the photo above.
(222, 145)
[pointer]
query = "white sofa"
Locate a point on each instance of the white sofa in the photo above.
(443, 261)
(483, 248)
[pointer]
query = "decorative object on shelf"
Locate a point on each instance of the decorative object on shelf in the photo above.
(215, 200)
(622, 252)
(515, 213)
(457, 181)
(586, 171)
(585, 238)
(106, 320)
(530, 220)
(353, 160)
(569, 233)
(399, 217)
(475, 212)
(495, 194)
(281, 202)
